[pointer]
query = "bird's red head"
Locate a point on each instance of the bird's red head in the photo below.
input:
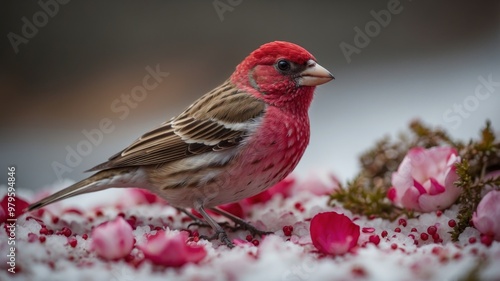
(281, 73)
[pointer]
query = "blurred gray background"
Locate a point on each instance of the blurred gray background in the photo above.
(84, 55)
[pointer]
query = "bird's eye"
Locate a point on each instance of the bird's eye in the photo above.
(284, 65)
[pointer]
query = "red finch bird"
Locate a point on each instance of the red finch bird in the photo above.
(232, 143)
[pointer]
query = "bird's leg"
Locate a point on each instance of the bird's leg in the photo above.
(196, 220)
(219, 231)
(245, 225)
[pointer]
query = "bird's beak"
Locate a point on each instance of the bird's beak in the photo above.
(314, 75)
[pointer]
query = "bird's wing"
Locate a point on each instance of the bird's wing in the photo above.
(218, 120)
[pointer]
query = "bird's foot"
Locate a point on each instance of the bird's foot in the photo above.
(221, 236)
(241, 224)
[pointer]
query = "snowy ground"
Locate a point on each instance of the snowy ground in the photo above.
(398, 256)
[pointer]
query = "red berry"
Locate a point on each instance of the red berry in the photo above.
(299, 207)
(402, 222)
(452, 223)
(358, 271)
(397, 229)
(414, 229)
(287, 230)
(375, 239)
(42, 239)
(472, 240)
(436, 250)
(55, 219)
(431, 230)
(384, 234)
(411, 236)
(255, 242)
(249, 238)
(72, 242)
(424, 236)
(85, 236)
(44, 231)
(435, 236)
(439, 213)
(66, 232)
(486, 239)
(394, 246)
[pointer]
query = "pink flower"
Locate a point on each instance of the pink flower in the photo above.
(333, 233)
(424, 181)
(486, 217)
(113, 239)
(172, 249)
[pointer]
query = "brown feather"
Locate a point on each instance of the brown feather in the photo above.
(199, 129)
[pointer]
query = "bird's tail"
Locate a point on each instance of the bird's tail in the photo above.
(98, 181)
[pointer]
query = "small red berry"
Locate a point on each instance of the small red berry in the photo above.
(85, 236)
(66, 232)
(431, 230)
(424, 236)
(375, 239)
(42, 239)
(55, 219)
(439, 213)
(394, 246)
(72, 242)
(358, 271)
(255, 242)
(435, 236)
(486, 240)
(436, 250)
(287, 230)
(249, 238)
(472, 240)
(44, 231)
(452, 223)
(397, 229)
(402, 222)
(384, 234)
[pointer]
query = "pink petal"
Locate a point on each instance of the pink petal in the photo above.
(333, 233)
(113, 239)
(171, 250)
(419, 187)
(391, 194)
(435, 188)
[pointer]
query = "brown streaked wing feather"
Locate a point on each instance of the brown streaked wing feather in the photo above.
(199, 129)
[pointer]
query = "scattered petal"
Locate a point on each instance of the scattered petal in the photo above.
(334, 233)
(171, 249)
(113, 239)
